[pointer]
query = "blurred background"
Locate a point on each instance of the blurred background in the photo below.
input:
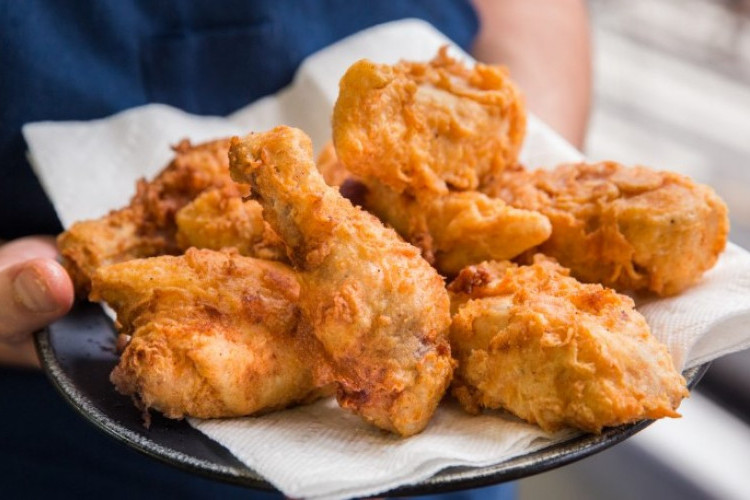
(672, 91)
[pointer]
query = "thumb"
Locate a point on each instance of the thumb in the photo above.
(33, 293)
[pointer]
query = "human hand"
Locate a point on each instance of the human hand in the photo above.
(34, 291)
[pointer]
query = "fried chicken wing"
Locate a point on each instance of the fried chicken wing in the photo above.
(379, 311)
(213, 334)
(556, 352)
(426, 128)
(630, 228)
(147, 226)
(219, 218)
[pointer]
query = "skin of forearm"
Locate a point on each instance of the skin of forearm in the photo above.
(546, 45)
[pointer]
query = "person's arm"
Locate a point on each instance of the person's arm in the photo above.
(34, 291)
(546, 46)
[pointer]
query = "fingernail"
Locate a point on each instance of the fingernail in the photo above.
(31, 292)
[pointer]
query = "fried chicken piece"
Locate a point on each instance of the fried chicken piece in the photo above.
(453, 230)
(426, 128)
(380, 312)
(213, 334)
(147, 226)
(219, 218)
(459, 228)
(630, 228)
(556, 352)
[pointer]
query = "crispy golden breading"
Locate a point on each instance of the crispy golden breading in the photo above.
(426, 128)
(453, 230)
(213, 334)
(380, 312)
(556, 352)
(630, 228)
(459, 228)
(219, 218)
(146, 227)
(116, 237)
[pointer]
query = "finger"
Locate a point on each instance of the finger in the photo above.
(33, 293)
(27, 248)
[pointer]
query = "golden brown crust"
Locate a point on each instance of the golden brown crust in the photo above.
(117, 237)
(219, 219)
(556, 352)
(379, 311)
(459, 228)
(630, 228)
(425, 128)
(213, 334)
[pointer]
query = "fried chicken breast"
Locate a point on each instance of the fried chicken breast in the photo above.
(630, 228)
(378, 310)
(425, 128)
(534, 341)
(212, 334)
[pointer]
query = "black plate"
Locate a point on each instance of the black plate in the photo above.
(78, 353)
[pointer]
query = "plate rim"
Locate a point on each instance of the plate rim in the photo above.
(450, 479)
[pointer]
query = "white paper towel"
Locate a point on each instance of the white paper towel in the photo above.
(320, 451)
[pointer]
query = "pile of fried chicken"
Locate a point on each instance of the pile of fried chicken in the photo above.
(415, 257)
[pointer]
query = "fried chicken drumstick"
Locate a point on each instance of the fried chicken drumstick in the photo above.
(380, 312)
(629, 228)
(556, 352)
(212, 334)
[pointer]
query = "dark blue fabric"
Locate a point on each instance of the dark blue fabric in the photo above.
(48, 451)
(85, 59)
(500, 492)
